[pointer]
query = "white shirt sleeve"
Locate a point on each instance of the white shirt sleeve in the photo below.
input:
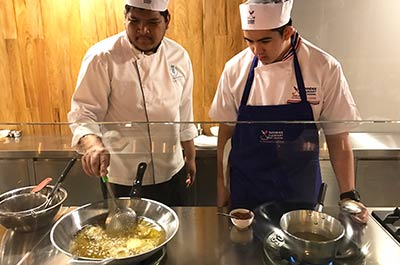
(187, 130)
(90, 99)
(223, 107)
(338, 103)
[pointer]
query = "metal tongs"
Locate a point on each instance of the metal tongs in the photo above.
(60, 179)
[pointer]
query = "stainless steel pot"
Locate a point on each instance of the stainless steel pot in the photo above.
(65, 228)
(313, 236)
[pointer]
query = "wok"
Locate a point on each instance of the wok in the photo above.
(65, 228)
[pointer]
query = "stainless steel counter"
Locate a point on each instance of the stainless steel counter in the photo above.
(203, 238)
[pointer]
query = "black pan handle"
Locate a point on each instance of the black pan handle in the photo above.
(136, 191)
(59, 181)
(321, 197)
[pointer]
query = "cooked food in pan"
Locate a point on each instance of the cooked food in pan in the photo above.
(92, 241)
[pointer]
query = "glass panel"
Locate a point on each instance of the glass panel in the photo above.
(46, 147)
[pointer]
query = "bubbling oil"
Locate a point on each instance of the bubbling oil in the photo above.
(92, 241)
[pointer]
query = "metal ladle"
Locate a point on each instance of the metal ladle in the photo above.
(122, 218)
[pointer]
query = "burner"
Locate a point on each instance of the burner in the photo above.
(390, 220)
(276, 252)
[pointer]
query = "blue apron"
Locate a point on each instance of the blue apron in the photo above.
(274, 161)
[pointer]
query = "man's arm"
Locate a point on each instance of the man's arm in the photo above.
(341, 156)
(225, 132)
(190, 161)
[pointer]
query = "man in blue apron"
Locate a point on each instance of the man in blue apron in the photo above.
(281, 77)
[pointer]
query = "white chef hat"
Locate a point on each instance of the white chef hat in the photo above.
(265, 14)
(155, 5)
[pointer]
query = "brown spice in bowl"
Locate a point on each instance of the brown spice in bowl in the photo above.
(242, 216)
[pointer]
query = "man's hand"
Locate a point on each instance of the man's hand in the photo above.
(190, 166)
(223, 194)
(96, 157)
(190, 161)
(359, 212)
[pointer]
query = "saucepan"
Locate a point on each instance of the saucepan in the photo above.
(311, 235)
(64, 230)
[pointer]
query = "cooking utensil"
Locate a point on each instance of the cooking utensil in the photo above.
(136, 190)
(227, 215)
(60, 179)
(67, 226)
(232, 216)
(351, 207)
(33, 219)
(41, 185)
(123, 219)
(311, 235)
(25, 202)
(119, 220)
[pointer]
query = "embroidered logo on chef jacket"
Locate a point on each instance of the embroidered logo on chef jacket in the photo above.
(311, 96)
(174, 72)
(268, 136)
(251, 18)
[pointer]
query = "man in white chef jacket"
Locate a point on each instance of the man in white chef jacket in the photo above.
(142, 77)
(281, 77)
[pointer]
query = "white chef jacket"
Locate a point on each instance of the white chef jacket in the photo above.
(108, 90)
(275, 84)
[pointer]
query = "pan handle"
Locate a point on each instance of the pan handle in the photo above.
(60, 179)
(321, 197)
(136, 191)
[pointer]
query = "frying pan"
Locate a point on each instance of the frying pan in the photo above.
(66, 227)
(313, 236)
(297, 220)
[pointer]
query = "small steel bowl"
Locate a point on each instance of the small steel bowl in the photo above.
(29, 219)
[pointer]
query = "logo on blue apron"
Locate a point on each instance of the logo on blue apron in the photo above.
(268, 136)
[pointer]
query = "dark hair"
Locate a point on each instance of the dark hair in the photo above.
(164, 14)
(282, 28)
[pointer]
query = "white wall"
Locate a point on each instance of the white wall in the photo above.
(364, 35)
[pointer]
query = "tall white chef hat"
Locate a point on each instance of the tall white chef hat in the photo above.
(265, 14)
(155, 5)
